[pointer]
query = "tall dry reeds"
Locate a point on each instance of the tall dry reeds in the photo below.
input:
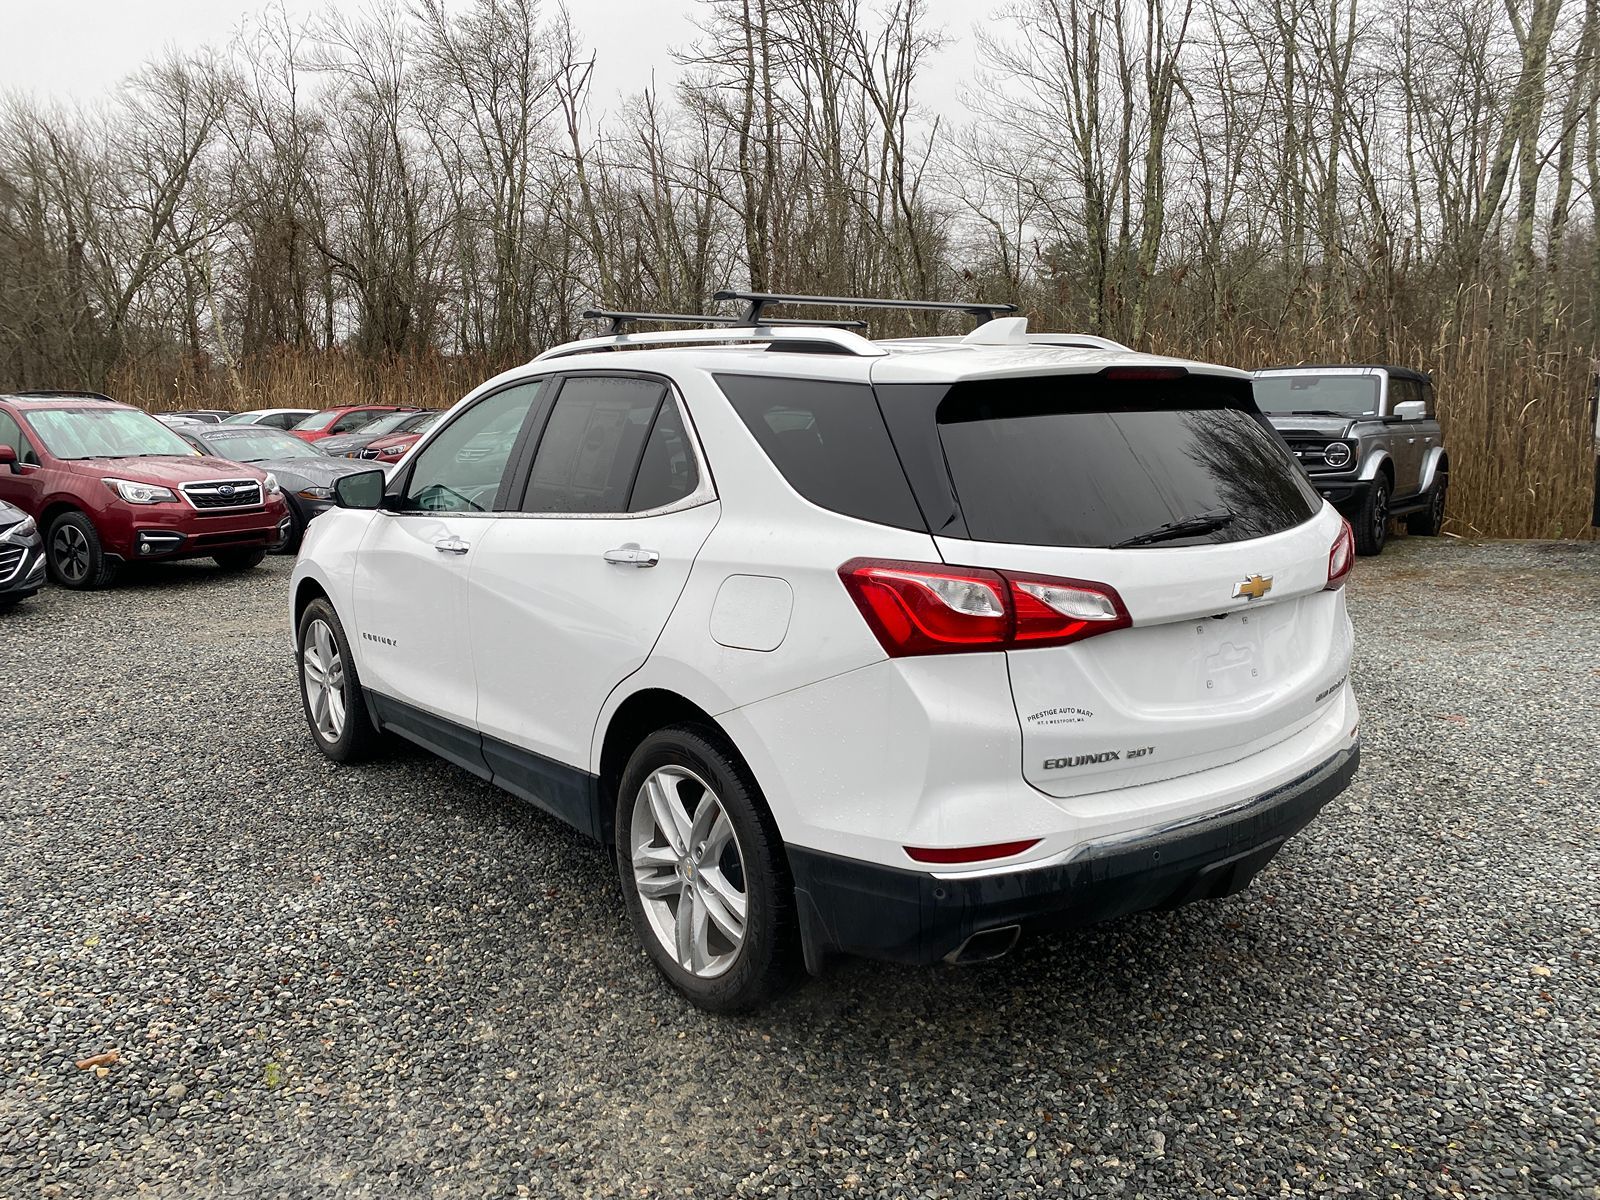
(1516, 412)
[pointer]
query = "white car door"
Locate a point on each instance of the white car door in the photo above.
(412, 575)
(569, 595)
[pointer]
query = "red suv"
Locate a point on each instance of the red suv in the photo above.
(347, 419)
(108, 483)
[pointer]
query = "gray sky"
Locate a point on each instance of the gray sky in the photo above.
(78, 49)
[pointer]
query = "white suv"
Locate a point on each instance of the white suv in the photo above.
(886, 648)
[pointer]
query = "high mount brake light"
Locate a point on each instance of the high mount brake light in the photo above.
(928, 608)
(1143, 374)
(1341, 558)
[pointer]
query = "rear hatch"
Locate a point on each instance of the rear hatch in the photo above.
(1235, 642)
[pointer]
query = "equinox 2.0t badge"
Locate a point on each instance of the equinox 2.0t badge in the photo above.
(1253, 588)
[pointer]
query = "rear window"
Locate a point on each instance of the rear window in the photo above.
(1079, 461)
(829, 441)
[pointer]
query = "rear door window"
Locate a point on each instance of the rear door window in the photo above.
(1080, 461)
(829, 441)
(590, 447)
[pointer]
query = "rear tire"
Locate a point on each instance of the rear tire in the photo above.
(693, 837)
(1430, 520)
(1371, 522)
(239, 560)
(330, 689)
(75, 556)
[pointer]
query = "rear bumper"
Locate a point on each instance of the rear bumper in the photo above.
(847, 906)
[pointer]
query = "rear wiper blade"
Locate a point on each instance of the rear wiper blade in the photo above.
(1184, 527)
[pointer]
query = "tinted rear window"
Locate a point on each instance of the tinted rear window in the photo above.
(829, 441)
(1077, 461)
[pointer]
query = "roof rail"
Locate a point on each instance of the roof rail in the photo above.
(757, 303)
(843, 340)
(620, 319)
(47, 393)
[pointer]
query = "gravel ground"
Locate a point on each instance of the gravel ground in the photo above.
(394, 981)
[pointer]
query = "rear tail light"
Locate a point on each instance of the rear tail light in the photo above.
(929, 608)
(1342, 557)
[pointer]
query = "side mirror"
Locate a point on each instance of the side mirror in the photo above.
(8, 459)
(361, 490)
(1411, 410)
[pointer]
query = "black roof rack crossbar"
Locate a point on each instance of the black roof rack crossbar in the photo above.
(757, 303)
(621, 319)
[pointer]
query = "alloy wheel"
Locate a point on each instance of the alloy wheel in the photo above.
(1380, 514)
(689, 869)
(323, 668)
(70, 549)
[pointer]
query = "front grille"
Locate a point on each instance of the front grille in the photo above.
(1312, 454)
(369, 452)
(224, 493)
(11, 561)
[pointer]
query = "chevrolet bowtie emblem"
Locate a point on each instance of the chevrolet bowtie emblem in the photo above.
(1253, 588)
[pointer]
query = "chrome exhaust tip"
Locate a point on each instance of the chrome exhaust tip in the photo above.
(985, 945)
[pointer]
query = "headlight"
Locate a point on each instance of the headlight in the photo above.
(22, 531)
(1336, 454)
(315, 493)
(272, 485)
(140, 493)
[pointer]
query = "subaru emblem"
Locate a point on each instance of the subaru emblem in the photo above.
(225, 490)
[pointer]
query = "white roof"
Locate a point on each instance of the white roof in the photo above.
(987, 353)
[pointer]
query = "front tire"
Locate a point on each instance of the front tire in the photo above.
(75, 556)
(297, 534)
(330, 690)
(703, 872)
(239, 560)
(1371, 522)
(1430, 520)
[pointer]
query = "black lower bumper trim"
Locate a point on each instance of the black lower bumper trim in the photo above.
(1350, 493)
(847, 906)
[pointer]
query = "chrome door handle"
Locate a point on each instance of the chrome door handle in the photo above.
(631, 556)
(452, 545)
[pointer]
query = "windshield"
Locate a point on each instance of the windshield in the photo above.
(320, 420)
(1343, 395)
(387, 423)
(255, 444)
(105, 433)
